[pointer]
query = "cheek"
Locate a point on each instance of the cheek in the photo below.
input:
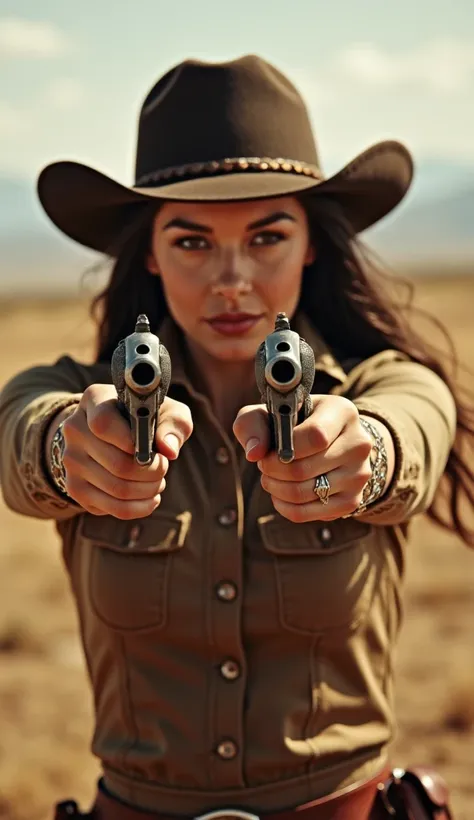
(285, 274)
(183, 291)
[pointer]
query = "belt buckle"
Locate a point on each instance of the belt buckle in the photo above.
(227, 814)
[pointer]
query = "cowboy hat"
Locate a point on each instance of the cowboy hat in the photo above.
(215, 132)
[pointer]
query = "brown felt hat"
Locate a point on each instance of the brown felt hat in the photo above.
(212, 132)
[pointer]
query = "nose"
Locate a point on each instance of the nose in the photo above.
(232, 282)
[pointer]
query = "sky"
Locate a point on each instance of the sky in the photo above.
(73, 75)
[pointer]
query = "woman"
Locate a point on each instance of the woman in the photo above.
(238, 614)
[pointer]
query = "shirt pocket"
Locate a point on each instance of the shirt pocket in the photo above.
(130, 567)
(326, 574)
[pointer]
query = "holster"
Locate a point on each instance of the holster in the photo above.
(419, 793)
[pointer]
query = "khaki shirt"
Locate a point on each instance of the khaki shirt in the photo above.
(236, 658)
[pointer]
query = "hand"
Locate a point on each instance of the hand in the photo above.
(331, 440)
(101, 472)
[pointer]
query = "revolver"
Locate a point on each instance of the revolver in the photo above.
(141, 373)
(284, 371)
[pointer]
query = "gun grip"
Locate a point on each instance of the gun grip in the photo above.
(142, 454)
(281, 436)
(286, 452)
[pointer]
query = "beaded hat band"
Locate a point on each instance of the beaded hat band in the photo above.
(233, 165)
(208, 132)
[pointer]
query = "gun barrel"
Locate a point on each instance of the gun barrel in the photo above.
(282, 357)
(141, 371)
(284, 370)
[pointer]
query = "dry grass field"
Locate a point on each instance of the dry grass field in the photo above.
(45, 707)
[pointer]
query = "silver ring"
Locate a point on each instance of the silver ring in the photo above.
(322, 488)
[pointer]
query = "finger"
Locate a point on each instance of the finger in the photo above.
(91, 498)
(330, 416)
(114, 460)
(252, 431)
(175, 426)
(338, 506)
(349, 449)
(104, 419)
(303, 492)
(125, 489)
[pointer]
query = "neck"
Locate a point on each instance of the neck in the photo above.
(229, 386)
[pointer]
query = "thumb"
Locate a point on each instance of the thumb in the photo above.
(252, 431)
(175, 426)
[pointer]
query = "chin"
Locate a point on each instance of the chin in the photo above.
(233, 350)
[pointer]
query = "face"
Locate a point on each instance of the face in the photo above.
(228, 269)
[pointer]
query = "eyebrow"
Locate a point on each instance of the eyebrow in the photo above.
(187, 225)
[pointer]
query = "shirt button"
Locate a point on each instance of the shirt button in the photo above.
(227, 517)
(230, 670)
(227, 591)
(134, 536)
(227, 750)
(325, 535)
(222, 456)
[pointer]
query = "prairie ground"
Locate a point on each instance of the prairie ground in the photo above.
(45, 706)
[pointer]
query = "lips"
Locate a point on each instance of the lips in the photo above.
(234, 324)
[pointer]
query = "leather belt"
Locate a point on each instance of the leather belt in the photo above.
(355, 802)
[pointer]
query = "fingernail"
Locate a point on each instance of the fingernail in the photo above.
(173, 443)
(251, 445)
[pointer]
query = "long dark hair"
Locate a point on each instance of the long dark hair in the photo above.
(357, 308)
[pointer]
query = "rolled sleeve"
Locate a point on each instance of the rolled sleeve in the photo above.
(28, 403)
(419, 411)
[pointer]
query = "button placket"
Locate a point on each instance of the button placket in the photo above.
(226, 570)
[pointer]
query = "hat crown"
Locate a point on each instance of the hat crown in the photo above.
(202, 112)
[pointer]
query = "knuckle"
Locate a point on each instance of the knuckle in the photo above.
(99, 420)
(121, 465)
(350, 503)
(298, 492)
(362, 448)
(318, 438)
(294, 514)
(120, 489)
(136, 509)
(349, 408)
(123, 512)
(300, 469)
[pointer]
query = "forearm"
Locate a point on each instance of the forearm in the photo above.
(416, 415)
(27, 424)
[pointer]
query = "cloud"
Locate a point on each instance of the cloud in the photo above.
(30, 38)
(443, 66)
(65, 94)
(12, 120)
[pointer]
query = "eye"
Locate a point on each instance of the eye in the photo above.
(268, 238)
(192, 243)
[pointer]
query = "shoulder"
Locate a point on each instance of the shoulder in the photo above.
(66, 373)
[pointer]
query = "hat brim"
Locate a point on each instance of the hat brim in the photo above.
(92, 208)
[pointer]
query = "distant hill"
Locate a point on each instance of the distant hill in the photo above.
(435, 222)
(440, 228)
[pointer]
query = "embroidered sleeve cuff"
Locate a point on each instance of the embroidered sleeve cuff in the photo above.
(399, 497)
(33, 470)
